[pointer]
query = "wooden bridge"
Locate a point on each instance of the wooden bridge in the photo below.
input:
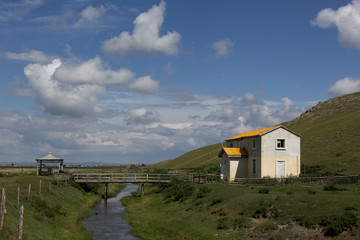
(142, 177)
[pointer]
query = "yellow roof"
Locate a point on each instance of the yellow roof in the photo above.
(234, 151)
(252, 133)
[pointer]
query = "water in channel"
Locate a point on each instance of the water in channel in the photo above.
(107, 222)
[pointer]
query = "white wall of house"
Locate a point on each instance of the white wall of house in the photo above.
(280, 161)
(270, 159)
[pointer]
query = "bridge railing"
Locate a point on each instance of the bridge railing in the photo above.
(143, 177)
(125, 177)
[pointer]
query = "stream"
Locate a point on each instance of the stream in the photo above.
(106, 222)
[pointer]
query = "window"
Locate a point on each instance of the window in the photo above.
(253, 143)
(280, 143)
(254, 166)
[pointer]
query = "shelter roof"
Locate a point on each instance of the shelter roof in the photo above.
(50, 157)
(233, 152)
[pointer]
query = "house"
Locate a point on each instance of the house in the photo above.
(269, 152)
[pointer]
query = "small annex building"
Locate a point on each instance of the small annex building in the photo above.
(269, 152)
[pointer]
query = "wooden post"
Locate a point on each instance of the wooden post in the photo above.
(29, 190)
(106, 191)
(21, 219)
(2, 209)
(40, 188)
(142, 190)
(18, 198)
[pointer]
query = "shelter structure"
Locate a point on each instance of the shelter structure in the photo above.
(49, 159)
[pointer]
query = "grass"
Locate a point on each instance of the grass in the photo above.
(51, 215)
(243, 212)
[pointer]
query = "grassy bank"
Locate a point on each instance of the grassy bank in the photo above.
(52, 214)
(216, 211)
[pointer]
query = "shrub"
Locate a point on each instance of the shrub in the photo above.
(264, 190)
(312, 192)
(336, 225)
(332, 187)
(242, 222)
(216, 200)
(176, 191)
(223, 224)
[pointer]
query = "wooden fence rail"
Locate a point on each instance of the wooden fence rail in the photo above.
(349, 179)
(143, 177)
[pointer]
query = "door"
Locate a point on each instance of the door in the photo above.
(280, 169)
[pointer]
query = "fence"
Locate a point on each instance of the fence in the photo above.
(350, 179)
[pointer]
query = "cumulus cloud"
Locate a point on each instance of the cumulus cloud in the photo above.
(145, 37)
(59, 98)
(225, 114)
(90, 14)
(141, 116)
(347, 21)
(344, 86)
(72, 89)
(145, 85)
(222, 48)
(91, 72)
(31, 56)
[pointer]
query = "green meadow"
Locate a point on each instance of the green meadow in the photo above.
(217, 211)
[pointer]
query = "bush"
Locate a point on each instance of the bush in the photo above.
(203, 191)
(177, 191)
(332, 187)
(216, 200)
(223, 224)
(264, 190)
(242, 222)
(336, 225)
(42, 208)
(312, 192)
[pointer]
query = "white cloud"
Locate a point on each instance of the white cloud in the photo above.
(145, 85)
(145, 37)
(89, 15)
(346, 19)
(31, 55)
(344, 86)
(222, 48)
(91, 72)
(141, 116)
(72, 88)
(60, 98)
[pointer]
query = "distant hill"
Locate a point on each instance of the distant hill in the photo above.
(330, 140)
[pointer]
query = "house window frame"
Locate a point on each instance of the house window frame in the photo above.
(253, 143)
(283, 147)
(254, 166)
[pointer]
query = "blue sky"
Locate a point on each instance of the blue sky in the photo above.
(144, 81)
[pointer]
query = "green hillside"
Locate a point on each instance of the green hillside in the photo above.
(331, 135)
(330, 140)
(205, 159)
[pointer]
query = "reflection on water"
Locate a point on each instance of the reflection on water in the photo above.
(106, 221)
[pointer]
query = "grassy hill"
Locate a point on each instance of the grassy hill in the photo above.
(331, 135)
(205, 159)
(330, 140)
